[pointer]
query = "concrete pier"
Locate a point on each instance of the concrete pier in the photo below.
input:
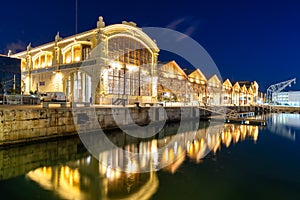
(285, 109)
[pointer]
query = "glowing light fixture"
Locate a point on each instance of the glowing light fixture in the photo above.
(58, 77)
(68, 60)
(77, 59)
(115, 65)
(132, 68)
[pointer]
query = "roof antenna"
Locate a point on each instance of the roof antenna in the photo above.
(76, 16)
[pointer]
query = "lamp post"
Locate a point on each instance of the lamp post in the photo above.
(14, 84)
(139, 80)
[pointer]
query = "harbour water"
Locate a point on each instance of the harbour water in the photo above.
(218, 161)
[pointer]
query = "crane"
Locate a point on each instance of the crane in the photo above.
(278, 87)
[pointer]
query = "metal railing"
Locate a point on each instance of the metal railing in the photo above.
(19, 99)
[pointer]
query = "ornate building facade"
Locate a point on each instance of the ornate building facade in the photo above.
(118, 64)
(109, 63)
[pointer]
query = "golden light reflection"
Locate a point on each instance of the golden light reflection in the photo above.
(136, 182)
(63, 180)
(169, 152)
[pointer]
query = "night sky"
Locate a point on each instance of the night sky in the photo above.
(248, 40)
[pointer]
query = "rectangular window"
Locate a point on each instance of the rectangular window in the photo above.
(68, 57)
(42, 83)
(77, 54)
(86, 52)
(43, 61)
(36, 63)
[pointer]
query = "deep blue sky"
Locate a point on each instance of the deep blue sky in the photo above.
(248, 40)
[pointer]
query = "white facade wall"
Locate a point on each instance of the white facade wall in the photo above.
(291, 98)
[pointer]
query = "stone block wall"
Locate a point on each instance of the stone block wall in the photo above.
(18, 125)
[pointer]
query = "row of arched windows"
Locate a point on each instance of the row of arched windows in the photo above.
(42, 59)
(121, 49)
(72, 53)
(76, 53)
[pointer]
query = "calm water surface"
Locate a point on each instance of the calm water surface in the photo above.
(244, 162)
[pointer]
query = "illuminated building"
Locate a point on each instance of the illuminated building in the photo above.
(199, 85)
(228, 92)
(248, 92)
(172, 83)
(214, 86)
(291, 98)
(106, 63)
(118, 64)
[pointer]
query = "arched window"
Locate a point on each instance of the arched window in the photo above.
(128, 50)
(78, 86)
(42, 59)
(76, 52)
(129, 67)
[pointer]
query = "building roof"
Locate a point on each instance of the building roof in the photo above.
(227, 82)
(215, 79)
(246, 83)
(197, 74)
(175, 67)
(110, 31)
(188, 71)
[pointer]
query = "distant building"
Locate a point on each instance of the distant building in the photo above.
(291, 98)
(9, 68)
(240, 93)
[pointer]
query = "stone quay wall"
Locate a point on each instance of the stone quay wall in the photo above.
(21, 125)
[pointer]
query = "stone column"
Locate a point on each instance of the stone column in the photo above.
(100, 54)
(72, 87)
(83, 98)
(154, 78)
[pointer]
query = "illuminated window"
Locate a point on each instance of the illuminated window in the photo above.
(36, 63)
(128, 50)
(77, 53)
(49, 60)
(42, 59)
(129, 72)
(68, 56)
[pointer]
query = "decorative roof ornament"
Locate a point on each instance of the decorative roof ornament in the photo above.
(9, 54)
(129, 23)
(100, 22)
(57, 37)
(29, 47)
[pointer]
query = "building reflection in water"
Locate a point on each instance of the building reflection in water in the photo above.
(284, 124)
(62, 180)
(88, 178)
